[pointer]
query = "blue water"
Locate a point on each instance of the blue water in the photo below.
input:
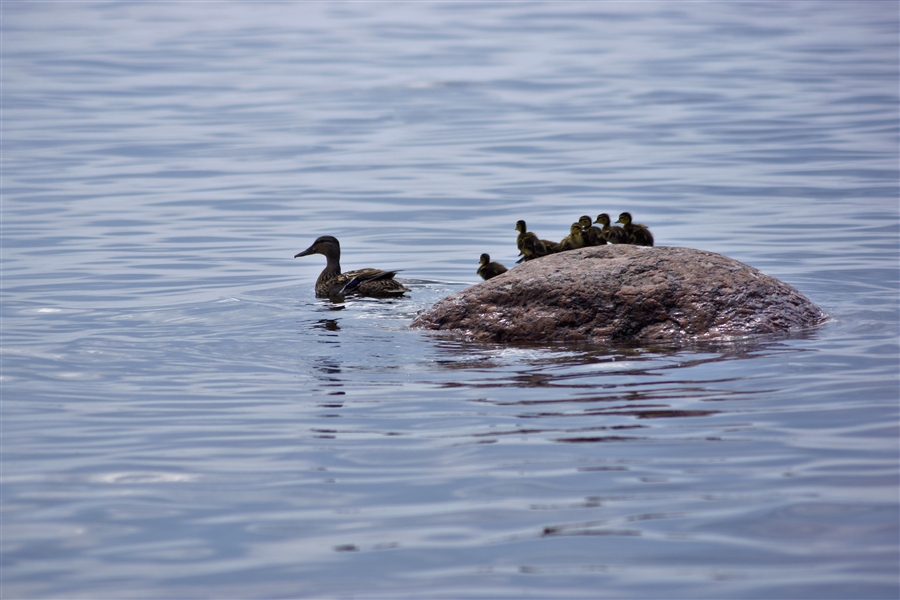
(182, 418)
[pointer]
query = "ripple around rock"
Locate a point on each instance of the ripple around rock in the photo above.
(621, 292)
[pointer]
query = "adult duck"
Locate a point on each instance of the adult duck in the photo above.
(362, 282)
(488, 269)
(610, 233)
(638, 234)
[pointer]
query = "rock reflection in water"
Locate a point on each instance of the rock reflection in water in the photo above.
(603, 394)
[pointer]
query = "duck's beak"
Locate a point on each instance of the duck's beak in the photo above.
(306, 252)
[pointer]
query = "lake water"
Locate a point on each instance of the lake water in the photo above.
(182, 418)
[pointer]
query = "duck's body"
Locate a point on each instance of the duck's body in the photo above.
(548, 246)
(488, 269)
(333, 283)
(574, 240)
(593, 236)
(638, 234)
(532, 248)
(613, 235)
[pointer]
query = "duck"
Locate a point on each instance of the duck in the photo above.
(574, 240)
(332, 283)
(489, 269)
(613, 235)
(532, 248)
(638, 234)
(593, 236)
(549, 247)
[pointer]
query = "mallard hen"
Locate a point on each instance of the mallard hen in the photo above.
(362, 282)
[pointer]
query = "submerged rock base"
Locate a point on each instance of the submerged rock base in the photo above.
(622, 292)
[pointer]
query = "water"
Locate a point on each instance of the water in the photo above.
(181, 418)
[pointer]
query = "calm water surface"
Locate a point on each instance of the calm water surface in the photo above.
(181, 418)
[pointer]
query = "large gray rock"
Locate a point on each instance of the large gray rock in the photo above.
(619, 292)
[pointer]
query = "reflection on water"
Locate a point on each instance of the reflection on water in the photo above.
(329, 324)
(328, 370)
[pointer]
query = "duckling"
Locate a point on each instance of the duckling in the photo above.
(363, 282)
(613, 235)
(549, 246)
(574, 240)
(592, 235)
(532, 248)
(489, 269)
(638, 234)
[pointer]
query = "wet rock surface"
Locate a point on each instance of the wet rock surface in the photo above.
(622, 292)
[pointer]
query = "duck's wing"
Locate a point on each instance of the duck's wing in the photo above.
(373, 282)
(371, 274)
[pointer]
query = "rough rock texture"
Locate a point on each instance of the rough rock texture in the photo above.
(618, 292)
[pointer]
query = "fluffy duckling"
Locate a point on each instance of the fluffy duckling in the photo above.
(550, 247)
(592, 235)
(638, 234)
(489, 269)
(574, 240)
(363, 282)
(613, 235)
(532, 248)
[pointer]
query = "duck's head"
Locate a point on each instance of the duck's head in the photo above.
(326, 244)
(575, 229)
(584, 221)
(603, 219)
(624, 218)
(485, 259)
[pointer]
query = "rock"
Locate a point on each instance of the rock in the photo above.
(622, 292)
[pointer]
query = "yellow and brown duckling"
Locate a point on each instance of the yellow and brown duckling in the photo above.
(488, 269)
(332, 283)
(549, 247)
(532, 248)
(574, 240)
(638, 234)
(610, 233)
(593, 236)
